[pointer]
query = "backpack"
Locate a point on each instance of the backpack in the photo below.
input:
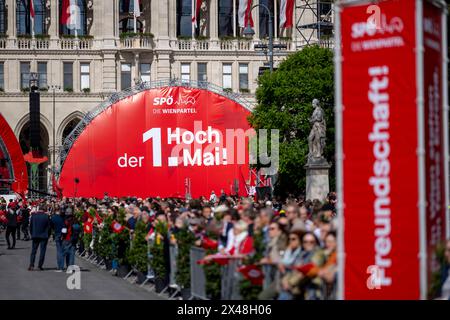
(76, 231)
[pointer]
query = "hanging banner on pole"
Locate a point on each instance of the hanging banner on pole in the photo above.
(384, 157)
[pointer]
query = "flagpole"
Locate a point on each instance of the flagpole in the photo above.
(31, 4)
(32, 27)
(192, 22)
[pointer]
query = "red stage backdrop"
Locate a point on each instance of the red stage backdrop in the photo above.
(153, 142)
(384, 178)
(10, 148)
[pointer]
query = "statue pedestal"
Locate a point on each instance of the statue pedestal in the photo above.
(317, 182)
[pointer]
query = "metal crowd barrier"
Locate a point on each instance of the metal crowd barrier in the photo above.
(230, 281)
(269, 275)
(173, 253)
(198, 280)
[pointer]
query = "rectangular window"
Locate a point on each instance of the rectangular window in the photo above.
(226, 75)
(68, 76)
(184, 18)
(185, 72)
(144, 70)
(42, 74)
(243, 76)
(2, 76)
(24, 75)
(201, 72)
(85, 75)
(125, 76)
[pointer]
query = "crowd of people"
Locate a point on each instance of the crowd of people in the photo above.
(297, 237)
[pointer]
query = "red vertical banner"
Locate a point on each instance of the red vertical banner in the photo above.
(378, 127)
(435, 131)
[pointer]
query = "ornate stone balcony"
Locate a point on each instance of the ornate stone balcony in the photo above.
(136, 42)
(46, 44)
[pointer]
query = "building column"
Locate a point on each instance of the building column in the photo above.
(214, 20)
(163, 65)
(105, 20)
(11, 18)
(256, 20)
(54, 20)
(109, 71)
(135, 69)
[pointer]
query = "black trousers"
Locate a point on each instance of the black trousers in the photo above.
(26, 235)
(19, 226)
(42, 244)
(11, 231)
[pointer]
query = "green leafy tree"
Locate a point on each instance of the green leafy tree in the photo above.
(185, 240)
(137, 255)
(284, 100)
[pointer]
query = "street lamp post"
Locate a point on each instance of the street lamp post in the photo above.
(249, 32)
(54, 88)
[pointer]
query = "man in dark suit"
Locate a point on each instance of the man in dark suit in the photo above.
(39, 227)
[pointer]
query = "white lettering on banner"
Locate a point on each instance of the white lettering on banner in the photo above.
(380, 179)
(371, 28)
(187, 137)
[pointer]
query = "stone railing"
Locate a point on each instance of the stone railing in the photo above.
(75, 44)
(46, 44)
(31, 44)
(136, 42)
(146, 42)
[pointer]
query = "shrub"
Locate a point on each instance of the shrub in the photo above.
(137, 255)
(185, 240)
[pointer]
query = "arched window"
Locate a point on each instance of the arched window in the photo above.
(184, 18)
(24, 20)
(3, 15)
(69, 128)
(127, 25)
(81, 29)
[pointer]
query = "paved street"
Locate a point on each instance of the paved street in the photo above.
(16, 282)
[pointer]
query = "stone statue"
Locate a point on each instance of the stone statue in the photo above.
(317, 136)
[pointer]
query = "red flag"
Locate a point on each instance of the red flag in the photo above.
(117, 227)
(87, 227)
(286, 13)
(305, 268)
(196, 13)
(90, 220)
(66, 17)
(245, 13)
(56, 188)
(252, 273)
(32, 9)
(208, 243)
(217, 258)
(221, 259)
(99, 219)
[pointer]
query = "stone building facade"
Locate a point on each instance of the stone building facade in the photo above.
(79, 69)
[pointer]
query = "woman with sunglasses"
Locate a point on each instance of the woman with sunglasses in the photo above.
(303, 283)
(273, 255)
(290, 259)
